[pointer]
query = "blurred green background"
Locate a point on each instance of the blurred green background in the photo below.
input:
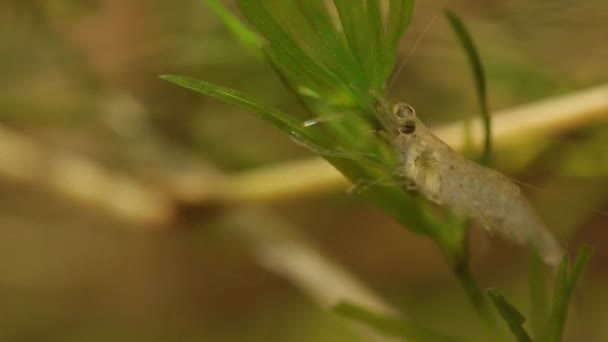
(79, 78)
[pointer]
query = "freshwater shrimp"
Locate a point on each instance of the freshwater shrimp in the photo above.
(447, 178)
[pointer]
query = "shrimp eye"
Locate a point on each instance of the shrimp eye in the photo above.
(403, 110)
(408, 127)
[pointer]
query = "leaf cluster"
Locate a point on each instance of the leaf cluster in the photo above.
(335, 60)
(547, 325)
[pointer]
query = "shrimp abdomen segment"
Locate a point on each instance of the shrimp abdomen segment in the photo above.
(497, 204)
(444, 176)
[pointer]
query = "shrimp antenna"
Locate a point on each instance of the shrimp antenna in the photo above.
(409, 55)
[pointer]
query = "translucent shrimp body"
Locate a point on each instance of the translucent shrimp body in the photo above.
(445, 177)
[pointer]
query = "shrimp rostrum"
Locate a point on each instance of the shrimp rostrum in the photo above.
(447, 178)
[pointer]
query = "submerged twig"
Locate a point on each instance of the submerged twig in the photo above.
(26, 160)
(546, 117)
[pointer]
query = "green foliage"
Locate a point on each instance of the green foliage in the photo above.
(510, 314)
(281, 120)
(332, 71)
(389, 326)
(246, 37)
(465, 39)
(338, 67)
(564, 286)
(546, 329)
(393, 200)
(587, 157)
(539, 306)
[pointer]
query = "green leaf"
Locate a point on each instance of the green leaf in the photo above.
(372, 44)
(399, 17)
(249, 39)
(538, 298)
(391, 199)
(355, 26)
(291, 58)
(389, 326)
(459, 260)
(465, 39)
(510, 314)
(560, 304)
(283, 121)
(404, 209)
(377, 45)
(582, 258)
(564, 286)
(327, 43)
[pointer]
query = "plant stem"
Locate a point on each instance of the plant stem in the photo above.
(475, 295)
(454, 247)
(546, 117)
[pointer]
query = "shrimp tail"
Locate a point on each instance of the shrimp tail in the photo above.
(547, 247)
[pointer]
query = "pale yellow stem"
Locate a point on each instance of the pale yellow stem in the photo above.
(85, 181)
(543, 118)
(25, 160)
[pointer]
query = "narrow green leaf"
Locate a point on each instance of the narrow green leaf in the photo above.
(328, 44)
(456, 253)
(510, 314)
(394, 201)
(376, 45)
(559, 307)
(538, 298)
(564, 286)
(283, 121)
(289, 55)
(249, 39)
(582, 258)
(355, 25)
(403, 208)
(465, 39)
(389, 326)
(399, 17)
(467, 133)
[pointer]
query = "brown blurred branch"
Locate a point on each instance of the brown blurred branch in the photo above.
(283, 249)
(85, 181)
